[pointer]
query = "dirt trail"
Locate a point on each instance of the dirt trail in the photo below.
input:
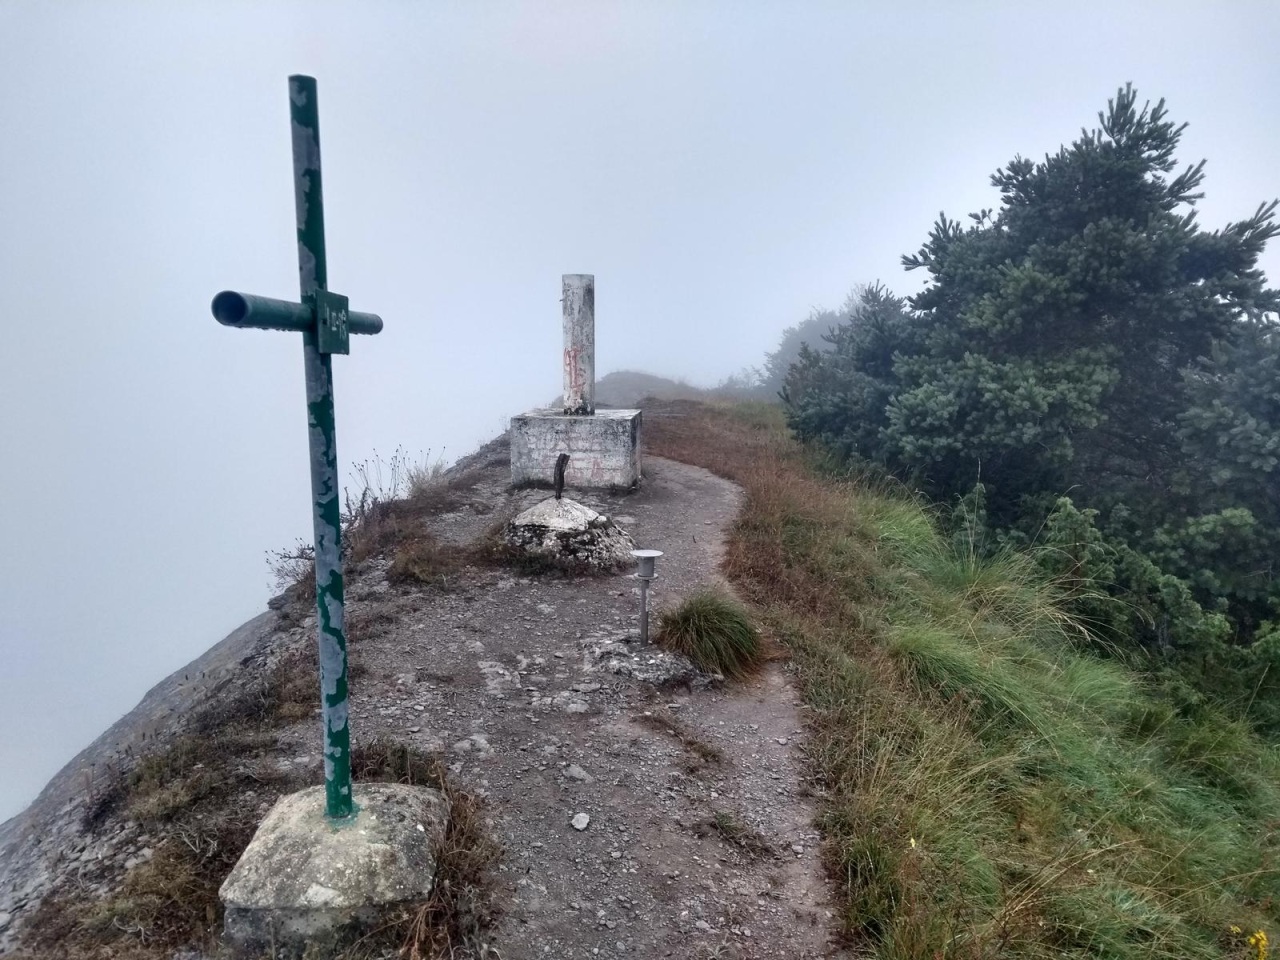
(525, 683)
(701, 840)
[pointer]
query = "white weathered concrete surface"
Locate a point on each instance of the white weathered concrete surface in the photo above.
(604, 449)
(301, 877)
(568, 533)
(578, 303)
(559, 516)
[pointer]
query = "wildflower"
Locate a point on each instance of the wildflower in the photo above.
(1258, 940)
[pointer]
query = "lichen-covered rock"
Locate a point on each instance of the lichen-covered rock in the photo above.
(302, 877)
(617, 653)
(568, 534)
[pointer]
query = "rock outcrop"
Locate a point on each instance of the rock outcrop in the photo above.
(567, 534)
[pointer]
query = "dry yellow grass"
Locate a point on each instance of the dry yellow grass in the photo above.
(987, 789)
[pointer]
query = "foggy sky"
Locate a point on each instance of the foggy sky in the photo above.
(721, 168)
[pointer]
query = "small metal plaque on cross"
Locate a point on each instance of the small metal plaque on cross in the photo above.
(331, 322)
(326, 322)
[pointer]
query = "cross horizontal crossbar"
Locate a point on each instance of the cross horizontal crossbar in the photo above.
(264, 313)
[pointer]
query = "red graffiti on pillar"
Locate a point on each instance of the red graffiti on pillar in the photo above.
(573, 370)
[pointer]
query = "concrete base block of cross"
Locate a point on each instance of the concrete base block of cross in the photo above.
(303, 878)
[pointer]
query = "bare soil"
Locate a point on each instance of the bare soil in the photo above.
(524, 683)
(700, 840)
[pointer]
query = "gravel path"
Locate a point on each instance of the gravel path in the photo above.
(646, 810)
(533, 686)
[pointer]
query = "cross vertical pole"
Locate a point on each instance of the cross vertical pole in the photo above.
(330, 625)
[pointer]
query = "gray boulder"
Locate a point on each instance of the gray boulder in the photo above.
(570, 535)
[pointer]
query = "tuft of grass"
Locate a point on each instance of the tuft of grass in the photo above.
(713, 631)
(172, 901)
(293, 570)
(741, 835)
(990, 786)
(461, 909)
(104, 790)
(387, 509)
(189, 797)
(424, 476)
(425, 561)
(664, 722)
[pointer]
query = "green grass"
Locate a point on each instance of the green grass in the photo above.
(990, 786)
(713, 631)
(742, 835)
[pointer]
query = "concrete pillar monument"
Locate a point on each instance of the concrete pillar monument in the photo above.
(603, 445)
(579, 307)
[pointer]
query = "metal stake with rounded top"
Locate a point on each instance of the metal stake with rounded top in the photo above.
(644, 573)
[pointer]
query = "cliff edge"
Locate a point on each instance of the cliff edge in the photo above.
(636, 806)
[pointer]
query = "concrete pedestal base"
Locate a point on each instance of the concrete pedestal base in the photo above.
(603, 448)
(302, 878)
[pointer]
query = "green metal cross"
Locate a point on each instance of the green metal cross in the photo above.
(325, 322)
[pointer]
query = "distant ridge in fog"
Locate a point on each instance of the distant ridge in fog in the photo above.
(626, 388)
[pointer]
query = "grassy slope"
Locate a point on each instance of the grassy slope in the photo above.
(989, 789)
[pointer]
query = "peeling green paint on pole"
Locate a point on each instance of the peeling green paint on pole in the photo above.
(325, 322)
(330, 608)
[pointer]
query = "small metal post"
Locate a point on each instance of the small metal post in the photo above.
(645, 574)
(644, 612)
(562, 462)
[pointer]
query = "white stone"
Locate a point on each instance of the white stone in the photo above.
(560, 516)
(580, 821)
(571, 535)
(302, 876)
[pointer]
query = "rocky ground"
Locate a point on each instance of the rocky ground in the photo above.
(645, 810)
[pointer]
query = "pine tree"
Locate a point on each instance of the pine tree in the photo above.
(1058, 330)
(1105, 368)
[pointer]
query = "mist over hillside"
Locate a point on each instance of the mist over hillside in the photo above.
(729, 174)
